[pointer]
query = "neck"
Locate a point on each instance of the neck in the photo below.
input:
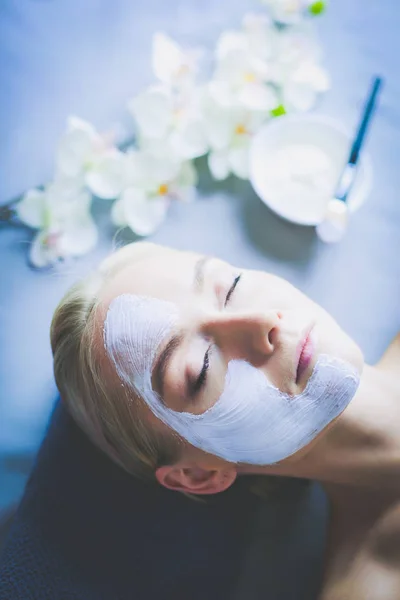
(361, 447)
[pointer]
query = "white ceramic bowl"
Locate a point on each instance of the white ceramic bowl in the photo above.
(323, 133)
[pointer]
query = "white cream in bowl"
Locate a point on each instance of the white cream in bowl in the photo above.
(296, 163)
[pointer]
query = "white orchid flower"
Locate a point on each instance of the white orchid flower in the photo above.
(230, 132)
(61, 213)
(242, 72)
(156, 180)
(172, 65)
(90, 159)
(172, 116)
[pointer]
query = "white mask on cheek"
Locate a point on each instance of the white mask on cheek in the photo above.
(252, 421)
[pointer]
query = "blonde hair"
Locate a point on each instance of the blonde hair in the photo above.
(110, 414)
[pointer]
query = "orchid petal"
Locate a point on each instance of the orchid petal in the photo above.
(64, 189)
(108, 177)
(117, 214)
(190, 140)
(41, 254)
(141, 213)
(239, 161)
(228, 42)
(167, 57)
(74, 151)
(170, 63)
(254, 119)
(286, 11)
(188, 177)
(188, 194)
(218, 164)
(315, 75)
(240, 66)
(133, 172)
(262, 36)
(30, 209)
(156, 164)
(221, 93)
(257, 96)
(218, 126)
(298, 44)
(75, 123)
(153, 112)
(254, 23)
(64, 206)
(299, 96)
(78, 207)
(299, 91)
(79, 237)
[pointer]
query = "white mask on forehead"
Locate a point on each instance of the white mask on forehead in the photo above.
(252, 421)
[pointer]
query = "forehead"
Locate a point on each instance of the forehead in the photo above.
(166, 274)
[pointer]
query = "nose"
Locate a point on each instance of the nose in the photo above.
(252, 336)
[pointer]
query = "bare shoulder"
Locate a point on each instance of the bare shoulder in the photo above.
(383, 542)
(365, 564)
(363, 554)
(368, 581)
(390, 361)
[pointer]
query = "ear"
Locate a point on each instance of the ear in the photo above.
(195, 480)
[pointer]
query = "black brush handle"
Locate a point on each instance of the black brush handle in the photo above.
(365, 120)
(349, 172)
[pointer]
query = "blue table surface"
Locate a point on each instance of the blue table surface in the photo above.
(87, 58)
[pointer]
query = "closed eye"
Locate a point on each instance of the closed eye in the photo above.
(203, 373)
(206, 363)
(232, 289)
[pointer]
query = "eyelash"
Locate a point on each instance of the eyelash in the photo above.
(203, 373)
(232, 289)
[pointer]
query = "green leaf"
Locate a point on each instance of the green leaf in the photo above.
(278, 111)
(317, 8)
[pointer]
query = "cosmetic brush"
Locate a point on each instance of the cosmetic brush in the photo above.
(333, 226)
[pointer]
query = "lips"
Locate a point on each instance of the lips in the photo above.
(305, 351)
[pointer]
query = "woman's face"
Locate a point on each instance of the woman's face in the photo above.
(227, 313)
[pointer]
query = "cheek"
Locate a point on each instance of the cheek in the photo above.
(275, 293)
(332, 339)
(215, 386)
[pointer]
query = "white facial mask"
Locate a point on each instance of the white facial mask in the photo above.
(252, 421)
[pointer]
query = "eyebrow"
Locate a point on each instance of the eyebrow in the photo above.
(166, 355)
(199, 270)
(163, 361)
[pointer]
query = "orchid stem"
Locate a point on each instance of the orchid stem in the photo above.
(7, 211)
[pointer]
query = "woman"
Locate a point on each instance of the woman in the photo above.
(191, 372)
